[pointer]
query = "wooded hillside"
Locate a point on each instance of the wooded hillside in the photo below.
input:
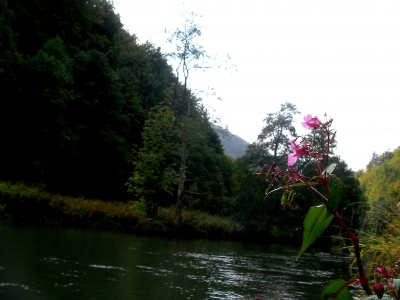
(78, 93)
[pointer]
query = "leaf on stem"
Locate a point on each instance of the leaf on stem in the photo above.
(336, 189)
(319, 217)
(334, 291)
(314, 225)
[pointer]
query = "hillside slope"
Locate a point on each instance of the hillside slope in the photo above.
(234, 146)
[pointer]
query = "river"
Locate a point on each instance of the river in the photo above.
(59, 263)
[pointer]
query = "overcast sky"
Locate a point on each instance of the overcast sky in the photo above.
(336, 57)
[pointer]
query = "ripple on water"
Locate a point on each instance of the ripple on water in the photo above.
(10, 290)
(25, 287)
(155, 271)
(107, 267)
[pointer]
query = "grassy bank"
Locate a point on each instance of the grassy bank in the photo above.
(33, 204)
(380, 237)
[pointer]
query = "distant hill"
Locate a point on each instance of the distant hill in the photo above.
(234, 146)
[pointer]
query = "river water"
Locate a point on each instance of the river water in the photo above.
(58, 263)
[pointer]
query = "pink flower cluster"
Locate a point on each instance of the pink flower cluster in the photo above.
(387, 274)
(301, 149)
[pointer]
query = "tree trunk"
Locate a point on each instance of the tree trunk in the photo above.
(181, 183)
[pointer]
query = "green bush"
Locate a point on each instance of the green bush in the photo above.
(139, 209)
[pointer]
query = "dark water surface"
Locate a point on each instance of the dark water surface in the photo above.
(57, 263)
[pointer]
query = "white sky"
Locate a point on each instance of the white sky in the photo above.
(336, 57)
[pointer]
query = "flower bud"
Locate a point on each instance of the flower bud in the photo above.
(380, 269)
(379, 290)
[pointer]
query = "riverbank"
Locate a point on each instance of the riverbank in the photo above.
(27, 203)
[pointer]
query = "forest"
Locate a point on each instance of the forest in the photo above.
(88, 111)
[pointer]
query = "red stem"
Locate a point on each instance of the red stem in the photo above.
(327, 148)
(355, 241)
(346, 285)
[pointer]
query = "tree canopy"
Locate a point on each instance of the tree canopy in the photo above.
(381, 180)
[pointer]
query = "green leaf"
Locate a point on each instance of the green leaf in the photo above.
(314, 225)
(331, 291)
(283, 199)
(336, 189)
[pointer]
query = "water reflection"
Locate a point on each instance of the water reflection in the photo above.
(55, 263)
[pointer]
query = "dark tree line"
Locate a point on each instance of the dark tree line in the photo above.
(77, 89)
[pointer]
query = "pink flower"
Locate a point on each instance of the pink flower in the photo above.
(310, 122)
(297, 151)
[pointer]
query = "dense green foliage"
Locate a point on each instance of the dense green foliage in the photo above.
(381, 180)
(379, 233)
(68, 117)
